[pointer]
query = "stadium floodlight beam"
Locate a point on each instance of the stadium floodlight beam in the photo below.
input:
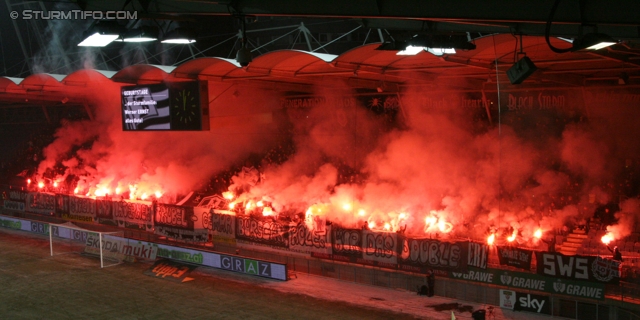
(180, 36)
(100, 35)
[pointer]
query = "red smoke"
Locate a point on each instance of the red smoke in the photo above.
(430, 169)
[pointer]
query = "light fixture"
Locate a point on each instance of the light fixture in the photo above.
(180, 36)
(142, 34)
(592, 41)
(440, 51)
(243, 56)
(101, 34)
(522, 69)
(435, 44)
(410, 50)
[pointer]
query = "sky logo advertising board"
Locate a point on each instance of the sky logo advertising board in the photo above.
(532, 303)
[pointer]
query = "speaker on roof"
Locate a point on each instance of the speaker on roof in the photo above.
(521, 70)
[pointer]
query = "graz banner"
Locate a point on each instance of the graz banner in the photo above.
(587, 268)
(81, 209)
(531, 281)
(133, 214)
(515, 257)
(263, 231)
(42, 203)
(419, 255)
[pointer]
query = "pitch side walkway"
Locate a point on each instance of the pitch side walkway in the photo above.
(390, 299)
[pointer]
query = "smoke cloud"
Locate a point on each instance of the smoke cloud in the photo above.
(417, 166)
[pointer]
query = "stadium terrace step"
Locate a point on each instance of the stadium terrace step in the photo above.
(577, 236)
(568, 252)
(571, 245)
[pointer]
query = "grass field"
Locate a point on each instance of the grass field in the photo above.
(38, 286)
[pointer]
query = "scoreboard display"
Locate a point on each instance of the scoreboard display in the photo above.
(167, 106)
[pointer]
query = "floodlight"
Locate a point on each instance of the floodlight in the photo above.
(100, 34)
(435, 44)
(180, 36)
(410, 50)
(142, 34)
(440, 51)
(593, 41)
(244, 56)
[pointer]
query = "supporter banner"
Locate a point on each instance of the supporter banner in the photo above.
(515, 257)
(183, 235)
(81, 209)
(346, 244)
(14, 205)
(531, 281)
(133, 214)
(176, 217)
(532, 303)
(42, 203)
(19, 196)
(222, 226)
(587, 268)
(301, 239)
(104, 209)
(170, 270)
(477, 255)
(263, 231)
(62, 204)
(15, 200)
(418, 255)
(380, 247)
